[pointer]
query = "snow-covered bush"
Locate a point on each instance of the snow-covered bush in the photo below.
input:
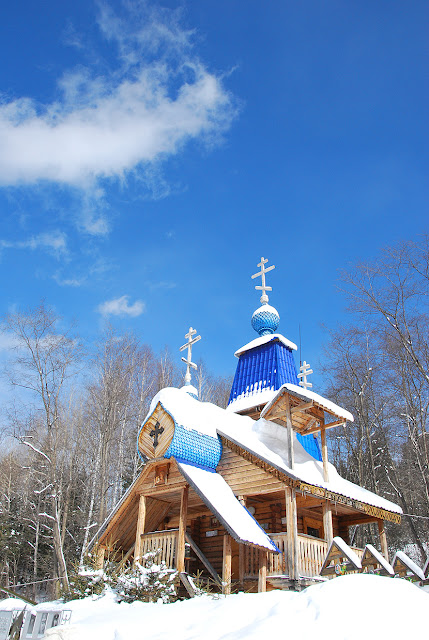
(145, 581)
(86, 580)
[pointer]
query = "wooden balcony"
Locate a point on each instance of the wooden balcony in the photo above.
(164, 542)
(311, 552)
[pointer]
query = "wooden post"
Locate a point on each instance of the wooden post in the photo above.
(262, 573)
(327, 509)
(99, 562)
(226, 565)
(241, 551)
(289, 432)
(241, 563)
(292, 533)
(324, 450)
(383, 539)
(141, 521)
(180, 552)
(327, 521)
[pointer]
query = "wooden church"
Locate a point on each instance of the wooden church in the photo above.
(245, 495)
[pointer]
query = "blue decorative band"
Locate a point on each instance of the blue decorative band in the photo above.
(197, 448)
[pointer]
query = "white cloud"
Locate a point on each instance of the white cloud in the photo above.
(121, 307)
(67, 282)
(108, 125)
(53, 241)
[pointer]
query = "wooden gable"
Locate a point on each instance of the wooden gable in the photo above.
(340, 559)
(156, 434)
(373, 560)
(404, 566)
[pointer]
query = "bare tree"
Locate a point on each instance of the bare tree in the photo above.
(377, 366)
(44, 360)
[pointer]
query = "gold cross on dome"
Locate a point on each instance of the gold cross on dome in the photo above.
(263, 287)
(188, 360)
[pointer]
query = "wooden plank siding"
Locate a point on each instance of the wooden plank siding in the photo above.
(146, 441)
(244, 477)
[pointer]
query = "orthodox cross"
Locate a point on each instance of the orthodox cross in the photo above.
(264, 288)
(305, 371)
(156, 431)
(188, 360)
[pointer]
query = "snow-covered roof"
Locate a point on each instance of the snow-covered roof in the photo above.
(346, 550)
(380, 559)
(410, 564)
(188, 412)
(258, 342)
(218, 496)
(253, 399)
(189, 388)
(267, 440)
(306, 394)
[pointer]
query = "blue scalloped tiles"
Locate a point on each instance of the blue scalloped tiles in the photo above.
(194, 447)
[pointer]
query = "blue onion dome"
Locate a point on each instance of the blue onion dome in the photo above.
(265, 320)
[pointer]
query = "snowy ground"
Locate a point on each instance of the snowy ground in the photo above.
(346, 608)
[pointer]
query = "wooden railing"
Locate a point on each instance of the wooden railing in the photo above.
(163, 541)
(311, 555)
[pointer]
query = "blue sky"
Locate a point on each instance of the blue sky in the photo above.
(151, 153)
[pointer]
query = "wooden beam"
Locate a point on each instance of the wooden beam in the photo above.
(335, 423)
(289, 433)
(180, 551)
(327, 521)
(262, 572)
(188, 583)
(241, 551)
(141, 520)
(309, 427)
(163, 490)
(226, 564)
(241, 563)
(301, 407)
(292, 533)
(203, 558)
(383, 539)
(99, 562)
(350, 521)
(324, 451)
